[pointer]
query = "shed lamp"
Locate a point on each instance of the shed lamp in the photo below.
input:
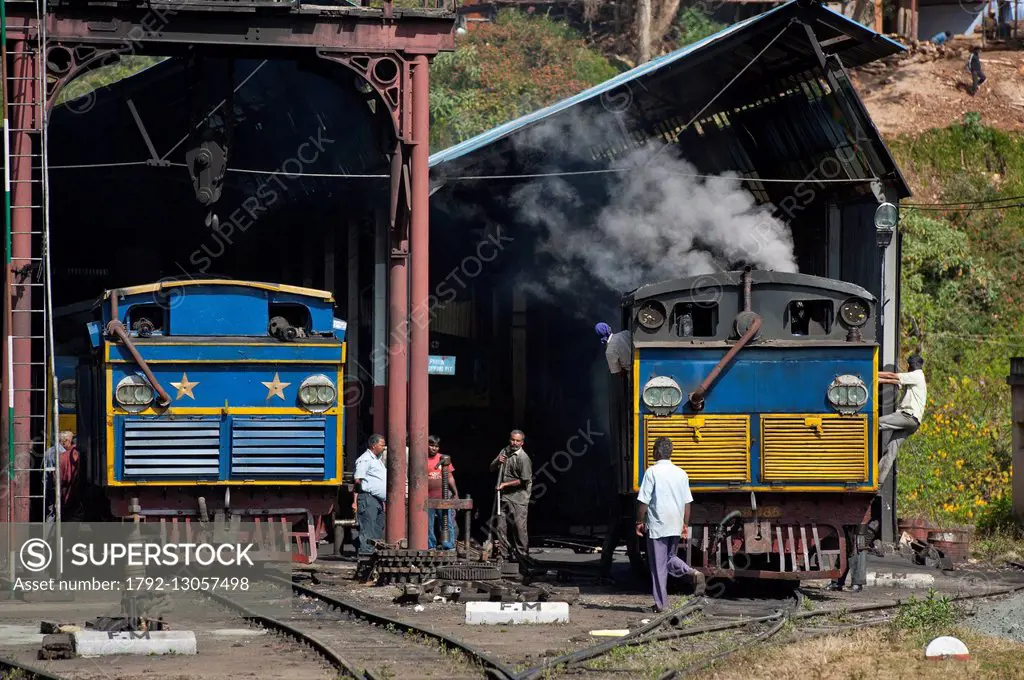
(886, 217)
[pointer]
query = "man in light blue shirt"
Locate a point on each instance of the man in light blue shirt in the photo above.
(371, 479)
(664, 513)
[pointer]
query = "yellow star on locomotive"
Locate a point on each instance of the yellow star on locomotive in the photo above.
(275, 387)
(184, 387)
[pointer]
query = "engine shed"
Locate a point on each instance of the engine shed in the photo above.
(312, 192)
(769, 100)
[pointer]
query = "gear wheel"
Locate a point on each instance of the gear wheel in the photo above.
(468, 573)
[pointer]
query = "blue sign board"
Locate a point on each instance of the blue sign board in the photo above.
(441, 365)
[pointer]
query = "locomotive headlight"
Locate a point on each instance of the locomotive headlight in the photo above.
(662, 395)
(854, 312)
(317, 393)
(847, 394)
(66, 395)
(652, 315)
(133, 393)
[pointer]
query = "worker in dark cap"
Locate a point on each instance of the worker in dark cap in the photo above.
(618, 350)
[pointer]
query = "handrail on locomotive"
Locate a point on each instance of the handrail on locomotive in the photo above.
(747, 323)
(116, 328)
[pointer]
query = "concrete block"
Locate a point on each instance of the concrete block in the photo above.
(99, 643)
(504, 613)
(897, 580)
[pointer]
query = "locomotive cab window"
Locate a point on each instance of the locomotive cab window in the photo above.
(809, 317)
(289, 321)
(695, 319)
(145, 320)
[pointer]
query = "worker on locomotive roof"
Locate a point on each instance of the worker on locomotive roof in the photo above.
(371, 478)
(663, 512)
(515, 484)
(907, 418)
(619, 350)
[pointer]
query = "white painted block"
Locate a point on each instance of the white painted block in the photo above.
(947, 648)
(891, 580)
(99, 643)
(504, 613)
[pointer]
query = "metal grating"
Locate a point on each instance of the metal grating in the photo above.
(283, 448)
(157, 448)
(814, 447)
(708, 448)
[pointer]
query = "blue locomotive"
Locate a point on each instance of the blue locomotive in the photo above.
(67, 394)
(766, 384)
(215, 398)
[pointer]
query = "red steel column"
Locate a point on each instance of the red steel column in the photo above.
(378, 344)
(420, 319)
(22, 117)
(398, 370)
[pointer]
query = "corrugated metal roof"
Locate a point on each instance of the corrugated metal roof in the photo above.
(854, 43)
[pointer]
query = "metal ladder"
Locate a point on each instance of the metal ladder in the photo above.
(32, 384)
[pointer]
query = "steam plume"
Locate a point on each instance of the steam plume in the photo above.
(652, 221)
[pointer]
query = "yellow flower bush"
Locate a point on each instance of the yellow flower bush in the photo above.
(957, 464)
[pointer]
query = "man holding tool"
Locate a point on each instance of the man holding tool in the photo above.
(515, 483)
(435, 481)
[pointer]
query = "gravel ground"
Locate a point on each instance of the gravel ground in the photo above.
(1003, 618)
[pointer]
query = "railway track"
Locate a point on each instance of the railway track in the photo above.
(24, 671)
(362, 644)
(672, 625)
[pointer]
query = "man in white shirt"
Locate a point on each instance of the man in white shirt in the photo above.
(907, 418)
(371, 479)
(664, 512)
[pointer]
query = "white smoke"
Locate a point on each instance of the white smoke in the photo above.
(654, 220)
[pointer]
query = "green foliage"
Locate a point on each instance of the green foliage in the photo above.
(961, 302)
(941, 273)
(998, 520)
(931, 614)
(105, 76)
(694, 24)
(506, 69)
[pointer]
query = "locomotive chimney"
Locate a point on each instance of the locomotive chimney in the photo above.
(746, 288)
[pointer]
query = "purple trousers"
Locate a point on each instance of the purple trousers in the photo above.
(661, 554)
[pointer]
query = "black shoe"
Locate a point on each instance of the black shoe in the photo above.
(834, 586)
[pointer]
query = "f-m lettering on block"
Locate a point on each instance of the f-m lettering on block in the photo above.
(504, 613)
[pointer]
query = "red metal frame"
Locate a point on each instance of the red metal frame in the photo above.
(419, 408)
(390, 49)
(24, 116)
(798, 525)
